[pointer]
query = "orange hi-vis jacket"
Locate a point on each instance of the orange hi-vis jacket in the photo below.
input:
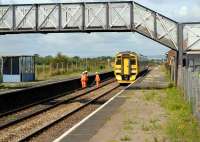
(97, 78)
(84, 78)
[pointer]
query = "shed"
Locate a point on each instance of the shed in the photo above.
(18, 68)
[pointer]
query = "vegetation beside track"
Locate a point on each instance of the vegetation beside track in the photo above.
(61, 67)
(49, 66)
(182, 126)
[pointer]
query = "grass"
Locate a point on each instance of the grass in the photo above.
(150, 96)
(18, 86)
(182, 126)
(128, 125)
(125, 138)
(154, 124)
(167, 76)
(145, 127)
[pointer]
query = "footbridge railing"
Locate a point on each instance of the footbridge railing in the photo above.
(125, 16)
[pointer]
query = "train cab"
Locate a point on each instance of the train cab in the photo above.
(127, 66)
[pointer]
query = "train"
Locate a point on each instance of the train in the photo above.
(128, 65)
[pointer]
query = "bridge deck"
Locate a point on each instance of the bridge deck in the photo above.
(124, 16)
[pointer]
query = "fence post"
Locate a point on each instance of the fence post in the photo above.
(36, 72)
(76, 65)
(62, 70)
(196, 94)
(193, 91)
(188, 84)
(198, 98)
(43, 70)
(67, 67)
(49, 69)
(189, 87)
(185, 73)
(57, 68)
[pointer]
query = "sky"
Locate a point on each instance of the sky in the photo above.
(98, 44)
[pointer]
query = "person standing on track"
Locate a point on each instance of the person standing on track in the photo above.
(83, 80)
(97, 79)
(86, 78)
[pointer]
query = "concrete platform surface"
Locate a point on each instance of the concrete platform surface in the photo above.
(155, 79)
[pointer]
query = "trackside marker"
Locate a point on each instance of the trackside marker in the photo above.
(90, 115)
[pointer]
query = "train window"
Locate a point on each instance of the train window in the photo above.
(118, 61)
(132, 62)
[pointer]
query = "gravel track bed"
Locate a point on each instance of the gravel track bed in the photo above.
(33, 109)
(58, 129)
(14, 133)
(36, 108)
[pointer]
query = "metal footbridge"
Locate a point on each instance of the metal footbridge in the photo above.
(124, 16)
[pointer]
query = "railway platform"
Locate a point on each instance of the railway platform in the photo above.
(127, 117)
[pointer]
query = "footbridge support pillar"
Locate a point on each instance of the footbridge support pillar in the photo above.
(179, 60)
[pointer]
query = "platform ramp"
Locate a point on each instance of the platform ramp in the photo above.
(154, 79)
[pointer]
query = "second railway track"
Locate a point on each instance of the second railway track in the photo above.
(28, 125)
(34, 109)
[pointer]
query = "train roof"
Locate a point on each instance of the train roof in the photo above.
(127, 52)
(130, 52)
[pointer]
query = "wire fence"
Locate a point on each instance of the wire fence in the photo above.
(45, 71)
(190, 84)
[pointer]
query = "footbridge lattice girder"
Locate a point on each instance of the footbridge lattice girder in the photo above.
(191, 36)
(126, 16)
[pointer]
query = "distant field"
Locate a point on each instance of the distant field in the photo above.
(44, 72)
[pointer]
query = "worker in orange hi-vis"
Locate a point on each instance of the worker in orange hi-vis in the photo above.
(83, 79)
(86, 78)
(97, 79)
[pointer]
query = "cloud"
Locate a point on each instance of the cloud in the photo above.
(97, 44)
(183, 11)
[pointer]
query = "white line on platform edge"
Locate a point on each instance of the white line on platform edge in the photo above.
(90, 115)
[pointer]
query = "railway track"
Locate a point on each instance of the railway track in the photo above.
(29, 123)
(54, 131)
(15, 116)
(43, 101)
(49, 120)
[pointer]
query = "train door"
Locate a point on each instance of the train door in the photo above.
(126, 66)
